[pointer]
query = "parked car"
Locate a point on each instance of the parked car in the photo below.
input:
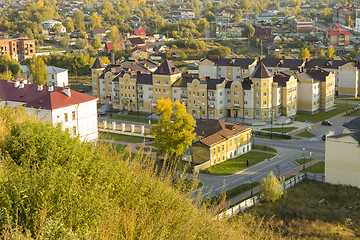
(326, 123)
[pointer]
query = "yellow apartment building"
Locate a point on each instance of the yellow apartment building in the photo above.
(218, 141)
(288, 93)
(348, 82)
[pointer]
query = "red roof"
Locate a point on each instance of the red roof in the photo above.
(140, 32)
(337, 31)
(32, 97)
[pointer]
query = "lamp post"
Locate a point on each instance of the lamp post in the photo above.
(251, 190)
(278, 171)
(271, 116)
(304, 157)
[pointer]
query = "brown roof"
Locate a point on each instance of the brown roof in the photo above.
(214, 131)
(281, 78)
(166, 68)
(32, 97)
(317, 74)
(261, 72)
(97, 64)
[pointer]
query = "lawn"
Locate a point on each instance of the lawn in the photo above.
(322, 115)
(133, 119)
(146, 149)
(316, 168)
(280, 130)
(275, 136)
(306, 134)
(231, 193)
(237, 164)
(264, 148)
(355, 113)
(120, 137)
(300, 161)
(313, 210)
(348, 98)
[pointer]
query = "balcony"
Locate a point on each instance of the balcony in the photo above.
(211, 106)
(211, 97)
(183, 95)
(140, 91)
(140, 99)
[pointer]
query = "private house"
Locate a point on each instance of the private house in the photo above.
(342, 165)
(109, 47)
(138, 53)
(337, 36)
(139, 33)
(132, 42)
(57, 77)
(302, 25)
(76, 111)
(99, 32)
(217, 141)
(264, 34)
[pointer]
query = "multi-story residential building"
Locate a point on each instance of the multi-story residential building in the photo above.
(342, 14)
(302, 25)
(337, 36)
(316, 90)
(218, 141)
(235, 68)
(75, 111)
(287, 85)
(57, 77)
(284, 64)
(347, 83)
(17, 49)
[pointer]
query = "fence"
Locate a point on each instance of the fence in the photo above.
(256, 199)
(124, 128)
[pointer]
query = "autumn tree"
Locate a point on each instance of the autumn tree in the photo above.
(304, 53)
(271, 188)
(57, 29)
(322, 54)
(248, 31)
(37, 69)
(81, 43)
(201, 25)
(96, 43)
(114, 37)
(9, 68)
(65, 41)
(221, 51)
(174, 132)
(330, 53)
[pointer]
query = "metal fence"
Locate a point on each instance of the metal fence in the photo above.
(256, 199)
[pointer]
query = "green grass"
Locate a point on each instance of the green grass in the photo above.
(137, 114)
(355, 113)
(313, 210)
(133, 119)
(146, 149)
(300, 161)
(306, 134)
(348, 98)
(231, 193)
(234, 165)
(280, 130)
(264, 148)
(322, 115)
(120, 137)
(316, 168)
(275, 136)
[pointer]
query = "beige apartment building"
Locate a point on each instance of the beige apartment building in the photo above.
(17, 49)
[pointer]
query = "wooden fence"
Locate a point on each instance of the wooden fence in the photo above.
(256, 199)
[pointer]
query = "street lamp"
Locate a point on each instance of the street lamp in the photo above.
(304, 157)
(278, 171)
(251, 191)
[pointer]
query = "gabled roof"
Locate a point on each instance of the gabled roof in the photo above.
(292, 64)
(140, 32)
(99, 30)
(317, 74)
(246, 84)
(30, 96)
(353, 125)
(281, 78)
(136, 41)
(323, 63)
(261, 72)
(166, 68)
(97, 64)
(215, 131)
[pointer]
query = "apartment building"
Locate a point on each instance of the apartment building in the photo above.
(347, 83)
(218, 141)
(316, 90)
(337, 36)
(341, 14)
(17, 49)
(286, 84)
(284, 64)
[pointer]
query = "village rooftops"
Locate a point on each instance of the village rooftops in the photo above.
(281, 78)
(316, 74)
(292, 64)
(323, 63)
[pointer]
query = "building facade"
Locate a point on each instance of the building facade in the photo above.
(57, 77)
(337, 36)
(17, 49)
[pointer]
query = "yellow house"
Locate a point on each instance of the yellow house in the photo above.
(96, 70)
(218, 141)
(288, 91)
(342, 156)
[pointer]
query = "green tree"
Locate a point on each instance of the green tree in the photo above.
(322, 54)
(57, 29)
(9, 68)
(209, 16)
(349, 22)
(330, 53)
(78, 19)
(95, 21)
(221, 51)
(174, 132)
(248, 31)
(37, 69)
(29, 33)
(271, 188)
(65, 41)
(201, 25)
(304, 53)
(69, 25)
(96, 43)
(81, 43)
(114, 37)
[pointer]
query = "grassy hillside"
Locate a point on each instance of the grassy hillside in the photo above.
(53, 186)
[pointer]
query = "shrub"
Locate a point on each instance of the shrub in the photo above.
(271, 188)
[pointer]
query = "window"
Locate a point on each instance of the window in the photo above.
(203, 94)
(264, 94)
(166, 83)
(223, 147)
(246, 113)
(214, 150)
(264, 103)
(257, 94)
(73, 115)
(220, 93)
(227, 92)
(197, 94)
(220, 102)
(228, 101)
(74, 130)
(52, 76)
(257, 103)
(66, 117)
(221, 112)
(257, 113)
(245, 102)
(157, 82)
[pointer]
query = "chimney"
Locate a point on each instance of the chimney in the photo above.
(40, 88)
(17, 84)
(67, 92)
(50, 88)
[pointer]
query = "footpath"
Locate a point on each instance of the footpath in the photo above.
(255, 190)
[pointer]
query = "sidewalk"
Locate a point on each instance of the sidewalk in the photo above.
(133, 146)
(255, 190)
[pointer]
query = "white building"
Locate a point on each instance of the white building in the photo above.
(57, 77)
(76, 111)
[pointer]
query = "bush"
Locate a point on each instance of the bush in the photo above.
(271, 188)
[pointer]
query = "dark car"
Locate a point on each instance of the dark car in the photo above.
(326, 123)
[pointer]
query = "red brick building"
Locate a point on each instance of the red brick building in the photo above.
(337, 36)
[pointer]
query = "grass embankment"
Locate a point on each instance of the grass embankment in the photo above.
(237, 164)
(313, 210)
(355, 113)
(264, 148)
(146, 149)
(306, 134)
(53, 186)
(121, 137)
(322, 115)
(274, 135)
(348, 98)
(318, 167)
(280, 130)
(302, 161)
